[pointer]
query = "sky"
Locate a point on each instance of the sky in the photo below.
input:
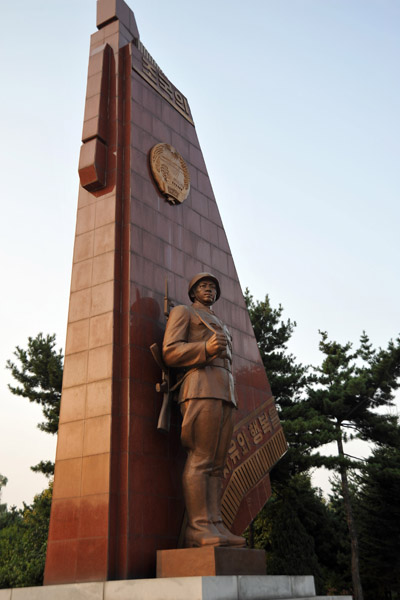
(296, 105)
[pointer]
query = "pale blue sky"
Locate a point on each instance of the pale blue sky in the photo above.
(296, 105)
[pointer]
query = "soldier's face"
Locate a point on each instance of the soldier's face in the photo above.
(205, 292)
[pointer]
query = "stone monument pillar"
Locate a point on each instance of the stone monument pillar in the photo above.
(146, 213)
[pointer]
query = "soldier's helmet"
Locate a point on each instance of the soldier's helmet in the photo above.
(195, 280)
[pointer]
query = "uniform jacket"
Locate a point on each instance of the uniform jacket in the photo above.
(184, 347)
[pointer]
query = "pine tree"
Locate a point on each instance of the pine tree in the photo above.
(39, 372)
(295, 527)
(305, 429)
(335, 403)
(379, 521)
(299, 533)
(348, 388)
(343, 583)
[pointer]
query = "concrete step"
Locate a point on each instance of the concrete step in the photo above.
(256, 587)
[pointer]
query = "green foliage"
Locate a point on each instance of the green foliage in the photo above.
(348, 388)
(298, 530)
(340, 582)
(337, 401)
(39, 371)
(40, 375)
(46, 467)
(23, 541)
(3, 482)
(286, 376)
(295, 527)
(304, 428)
(379, 522)
(23, 533)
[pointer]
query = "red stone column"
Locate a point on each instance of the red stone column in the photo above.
(90, 486)
(117, 489)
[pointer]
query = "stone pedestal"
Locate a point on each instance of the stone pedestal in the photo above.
(267, 587)
(210, 561)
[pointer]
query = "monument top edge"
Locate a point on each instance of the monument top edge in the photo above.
(116, 10)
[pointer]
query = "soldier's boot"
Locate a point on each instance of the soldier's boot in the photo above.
(200, 531)
(215, 492)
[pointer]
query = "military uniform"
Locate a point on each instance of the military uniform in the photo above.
(207, 399)
(188, 329)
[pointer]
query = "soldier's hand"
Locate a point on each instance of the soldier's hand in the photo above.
(216, 344)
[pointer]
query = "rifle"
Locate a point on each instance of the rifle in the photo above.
(164, 387)
(164, 418)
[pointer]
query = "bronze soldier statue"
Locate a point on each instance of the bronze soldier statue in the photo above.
(199, 346)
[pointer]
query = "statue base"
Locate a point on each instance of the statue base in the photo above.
(267, 587)
(210, 561)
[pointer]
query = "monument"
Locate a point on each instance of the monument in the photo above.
(146, 215)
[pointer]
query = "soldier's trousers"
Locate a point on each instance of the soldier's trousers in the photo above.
(207, 429)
